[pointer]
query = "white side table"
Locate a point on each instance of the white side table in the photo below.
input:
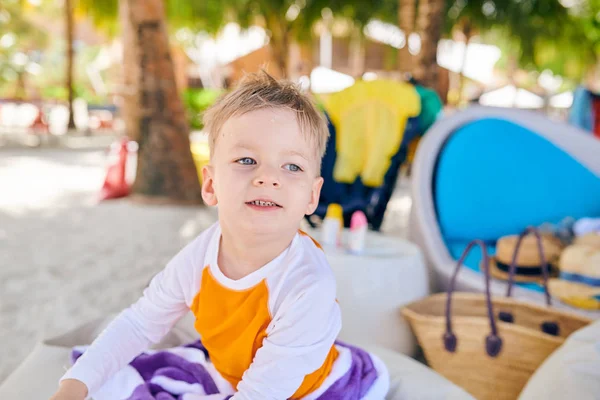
(373, 286)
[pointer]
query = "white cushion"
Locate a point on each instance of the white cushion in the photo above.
(571, 372)
(50, 359)
(411, 380)
(37, 376)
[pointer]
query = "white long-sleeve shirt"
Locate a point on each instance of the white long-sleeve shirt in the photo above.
(270, 334)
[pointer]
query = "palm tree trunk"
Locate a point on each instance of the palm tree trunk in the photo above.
(279, 43)
(70, 60)
(357, 53)
(20, 89)
(306, 55)
(130, 73)
(512, 68)
(279, 49)
(467, 31)
(406, 22)
(165, 169)
(429, 25)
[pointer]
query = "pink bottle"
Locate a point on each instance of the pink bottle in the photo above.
(358, 232)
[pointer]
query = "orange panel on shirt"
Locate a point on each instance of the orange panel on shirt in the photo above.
(233, 325)
(311, 238)
(313, 381)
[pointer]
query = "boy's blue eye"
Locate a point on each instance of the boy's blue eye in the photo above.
(246, 161)
(293, 168)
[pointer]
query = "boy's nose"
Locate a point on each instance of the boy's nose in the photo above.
(267, 178)
(263, 181)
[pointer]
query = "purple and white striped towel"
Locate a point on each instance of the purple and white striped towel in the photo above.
(186, 373)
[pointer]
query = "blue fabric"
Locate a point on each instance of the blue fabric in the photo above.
(578, 278)
(581, 113)
(494, 178)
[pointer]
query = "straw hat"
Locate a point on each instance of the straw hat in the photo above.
(579, 282)
(580, 259)
(529, 263)
(566, 289)
(590, 239)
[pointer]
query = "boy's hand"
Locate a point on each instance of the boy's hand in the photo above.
(71, 389)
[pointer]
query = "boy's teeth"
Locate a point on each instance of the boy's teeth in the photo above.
(263, 203)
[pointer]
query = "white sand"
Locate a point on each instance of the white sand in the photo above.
(64, 259)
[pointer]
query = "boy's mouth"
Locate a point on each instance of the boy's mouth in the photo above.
(263, 203)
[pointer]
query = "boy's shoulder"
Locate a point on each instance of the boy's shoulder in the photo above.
(309, 262)
(304, 278)
(199, 246)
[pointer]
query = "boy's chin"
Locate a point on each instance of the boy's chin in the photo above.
(270, 227)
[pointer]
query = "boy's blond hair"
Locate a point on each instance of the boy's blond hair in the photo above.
(260, 91)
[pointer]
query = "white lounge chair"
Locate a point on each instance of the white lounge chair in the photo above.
(487, 172)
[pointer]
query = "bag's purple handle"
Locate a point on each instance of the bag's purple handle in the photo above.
(493, 343)
(513, 264)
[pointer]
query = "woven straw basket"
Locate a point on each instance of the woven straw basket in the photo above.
(488, 346)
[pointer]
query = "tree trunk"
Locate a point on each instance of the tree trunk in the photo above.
(165, 171)
(131, 73)
(70, 59)
(512, 68)
(467, 31)
(429, 26)
(279, 48)
(307, 58)
(406, 22)
(357, 53)
(20, 89)
(279, 43)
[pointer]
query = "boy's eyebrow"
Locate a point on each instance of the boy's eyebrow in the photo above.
(296, 153)
(242, 147)
(287, 152)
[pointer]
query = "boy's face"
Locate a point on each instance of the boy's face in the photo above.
(263, 173)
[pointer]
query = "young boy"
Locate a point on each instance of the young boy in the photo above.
(261, 291)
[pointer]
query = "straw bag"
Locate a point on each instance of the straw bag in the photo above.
(489, 346)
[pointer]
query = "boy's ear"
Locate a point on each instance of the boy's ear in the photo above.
(208, 186)
(315, 194)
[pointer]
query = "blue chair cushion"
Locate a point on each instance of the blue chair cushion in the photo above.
(494, 178)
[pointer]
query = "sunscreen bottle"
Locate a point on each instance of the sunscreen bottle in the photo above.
(358, 232)
(333, 225)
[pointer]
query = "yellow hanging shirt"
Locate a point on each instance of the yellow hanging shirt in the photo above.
(370, 118)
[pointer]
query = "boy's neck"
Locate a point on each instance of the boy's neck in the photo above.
(241, 254)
